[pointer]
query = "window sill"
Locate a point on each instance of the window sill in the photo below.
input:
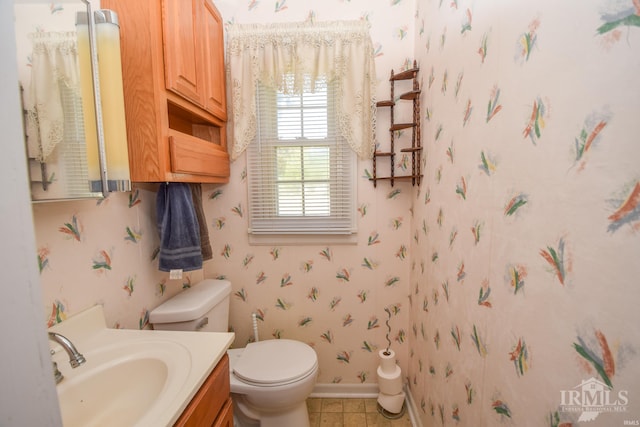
(302, 239)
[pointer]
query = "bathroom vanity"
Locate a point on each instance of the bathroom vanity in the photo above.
(211, 406)
(142, 377)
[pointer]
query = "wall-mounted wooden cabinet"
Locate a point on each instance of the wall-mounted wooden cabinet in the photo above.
(174, 87)
(193, 40)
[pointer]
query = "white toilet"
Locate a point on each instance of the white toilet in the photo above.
(270, 380)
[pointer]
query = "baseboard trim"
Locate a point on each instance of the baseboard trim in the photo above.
(331, 390)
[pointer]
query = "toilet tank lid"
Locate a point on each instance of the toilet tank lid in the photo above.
(191, 303)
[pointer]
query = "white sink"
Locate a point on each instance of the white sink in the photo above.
(121, 383)
(132, 378)
(99, 398)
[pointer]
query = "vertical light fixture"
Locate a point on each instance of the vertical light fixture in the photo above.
(106, 135)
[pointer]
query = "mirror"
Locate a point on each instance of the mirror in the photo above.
(64, 136)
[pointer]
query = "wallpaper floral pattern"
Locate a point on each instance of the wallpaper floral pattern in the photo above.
(337, 298)
(507, 276)
(103, 253)
(524, 257)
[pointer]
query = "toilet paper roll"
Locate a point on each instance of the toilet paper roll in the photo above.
(390, 384)
(392, 404)
(387, 361)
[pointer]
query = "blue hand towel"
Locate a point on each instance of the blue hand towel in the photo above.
(178, 227)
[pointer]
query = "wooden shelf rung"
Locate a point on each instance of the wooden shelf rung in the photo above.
(410, 96)
(400, 126)
(405, 75)
(411, 150)
(384, 154)
(407, 177)
(399, 178)
(386, 103)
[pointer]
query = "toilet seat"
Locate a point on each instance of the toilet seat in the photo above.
(275, 362)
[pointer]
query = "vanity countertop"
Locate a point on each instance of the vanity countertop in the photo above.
(184, 361)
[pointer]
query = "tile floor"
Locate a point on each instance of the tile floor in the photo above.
(350, 413)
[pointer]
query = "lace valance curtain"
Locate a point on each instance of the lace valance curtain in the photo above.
(280, 55)
(54, 72)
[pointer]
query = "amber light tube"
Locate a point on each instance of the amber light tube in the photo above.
(112, 101)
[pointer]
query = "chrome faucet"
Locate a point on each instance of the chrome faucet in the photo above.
(75, 358)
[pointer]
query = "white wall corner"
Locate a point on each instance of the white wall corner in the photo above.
(412, 407)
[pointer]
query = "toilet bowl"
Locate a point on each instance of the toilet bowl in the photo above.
(270, 380)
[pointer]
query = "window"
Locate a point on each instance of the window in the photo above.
(301, 172)
(300, 133)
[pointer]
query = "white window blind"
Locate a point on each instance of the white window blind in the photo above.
(300, 170)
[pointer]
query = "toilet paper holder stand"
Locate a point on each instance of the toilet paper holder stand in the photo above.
(391, 395)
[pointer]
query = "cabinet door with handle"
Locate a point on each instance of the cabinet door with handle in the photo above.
(181, 22)
(213, 54)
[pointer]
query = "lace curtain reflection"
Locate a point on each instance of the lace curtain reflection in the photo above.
(54, 82)
(341, 52)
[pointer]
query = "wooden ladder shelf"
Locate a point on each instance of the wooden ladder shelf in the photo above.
(415, 149)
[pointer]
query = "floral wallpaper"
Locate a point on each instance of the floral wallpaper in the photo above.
(507, 277)
(525, 231)
(337, 298)
(103, 253)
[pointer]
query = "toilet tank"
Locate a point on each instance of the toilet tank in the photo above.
(202, 307)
